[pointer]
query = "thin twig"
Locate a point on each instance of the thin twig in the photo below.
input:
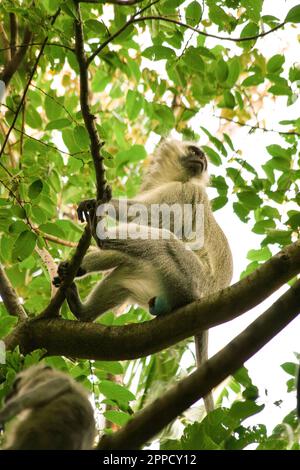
(40, 44)
(133, 20)
(117, 33)
(125, 3)
(9, 297)
(244, 124)
(26, 87)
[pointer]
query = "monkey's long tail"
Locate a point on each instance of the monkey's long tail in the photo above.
(201, 346)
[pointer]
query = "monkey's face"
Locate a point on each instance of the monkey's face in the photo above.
(179, 161)
(193, 161)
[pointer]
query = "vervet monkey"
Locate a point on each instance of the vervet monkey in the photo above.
(176, 175)
(148, 271)
(53, 412)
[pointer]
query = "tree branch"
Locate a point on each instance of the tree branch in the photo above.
(125, 3)
(20, 105)
(119, 31)
(88, 117)
(95, 341)
(134, 19)
(9, 297)
(254, 127)
(13, 33)
(16, 60)
(52, 310)
(152, 419)
(209, 35)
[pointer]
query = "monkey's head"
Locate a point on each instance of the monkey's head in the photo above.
(24, 379)
(176, 161)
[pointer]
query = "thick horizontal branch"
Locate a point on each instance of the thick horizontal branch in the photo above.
(95, 341)
(9, 297)
(152, 419)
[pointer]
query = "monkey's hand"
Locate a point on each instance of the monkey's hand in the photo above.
(86, 210)
(62, 272)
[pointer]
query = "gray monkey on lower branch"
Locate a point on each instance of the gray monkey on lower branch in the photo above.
(52, 412)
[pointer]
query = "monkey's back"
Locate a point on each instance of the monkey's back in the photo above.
(66, 423)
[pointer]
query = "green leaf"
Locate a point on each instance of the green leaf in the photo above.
(278, 151)
(158, 53)
(52, 229)
(253, 9)
(134, 154)
(58, 124)
(275, 63)
(18, 226)
(24, 245)
(212, 155)
(262, 226)
(33, 118)
(134, 103)
(229, 101)
(290, 368)
(250, 199)
(218, 202)
(117, 417)
(293, 15)
(115, 391)
(35, 189)
(7, 324)
(222, 71)
(97, 27)
(234, 71)
(218, 15)
(280, 90)
(253, 80)
(193, 59)
(262, 254)
(112, 367)
(193, 13)
(81, 137)
(250, 30)
(242, 410)
(52, 107)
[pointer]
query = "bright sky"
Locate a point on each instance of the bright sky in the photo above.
(264, 367)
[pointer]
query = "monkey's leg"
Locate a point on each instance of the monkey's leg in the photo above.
(201, 346)
(99, 260)
(106, 295)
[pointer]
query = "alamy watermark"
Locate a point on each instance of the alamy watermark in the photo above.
(141, 221)
(2, 352)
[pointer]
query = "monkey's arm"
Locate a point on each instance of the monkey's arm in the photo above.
(37, 396)
(169, 193)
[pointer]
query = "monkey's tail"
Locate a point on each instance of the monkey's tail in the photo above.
(201, 347)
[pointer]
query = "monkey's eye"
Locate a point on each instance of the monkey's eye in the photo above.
(195, 151)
